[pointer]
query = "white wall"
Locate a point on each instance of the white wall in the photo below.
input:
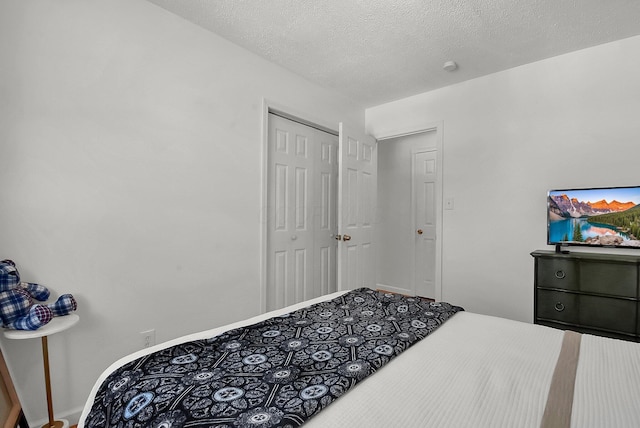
(130, 164)
(569, 121)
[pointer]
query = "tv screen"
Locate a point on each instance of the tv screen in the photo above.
(601, 217)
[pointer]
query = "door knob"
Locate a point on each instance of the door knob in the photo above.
(346, 238)
(419, 231)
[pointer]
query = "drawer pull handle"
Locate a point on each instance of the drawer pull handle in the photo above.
(560, 274)
(559, 307)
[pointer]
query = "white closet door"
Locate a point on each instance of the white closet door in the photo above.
(325, 220)
(357, 189)
(301, 249)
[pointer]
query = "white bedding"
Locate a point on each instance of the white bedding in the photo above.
(607, 384)
(475, 371)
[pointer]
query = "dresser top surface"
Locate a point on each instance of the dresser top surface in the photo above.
(577, 255)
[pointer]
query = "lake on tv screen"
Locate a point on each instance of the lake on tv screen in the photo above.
(562, 230)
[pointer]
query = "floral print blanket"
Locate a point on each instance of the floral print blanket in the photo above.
(276, 373)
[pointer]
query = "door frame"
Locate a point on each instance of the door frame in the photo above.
(269, 106)
(436, 127)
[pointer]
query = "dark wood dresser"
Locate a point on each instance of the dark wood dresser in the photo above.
(588, 292)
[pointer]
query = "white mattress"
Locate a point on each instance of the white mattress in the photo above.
(476, 371)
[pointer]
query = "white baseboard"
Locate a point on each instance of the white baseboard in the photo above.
(393, 289)
(73, 416)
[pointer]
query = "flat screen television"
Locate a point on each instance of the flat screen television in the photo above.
(597, 217)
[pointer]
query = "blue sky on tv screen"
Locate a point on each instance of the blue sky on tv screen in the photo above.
(625, 194)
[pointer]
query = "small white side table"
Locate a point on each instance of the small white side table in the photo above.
(56, 325)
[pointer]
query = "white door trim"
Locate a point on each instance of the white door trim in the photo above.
(302, 117)
(436, 127)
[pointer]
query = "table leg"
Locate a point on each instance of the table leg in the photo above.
(47, 382)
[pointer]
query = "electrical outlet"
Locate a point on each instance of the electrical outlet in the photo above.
(148, 338)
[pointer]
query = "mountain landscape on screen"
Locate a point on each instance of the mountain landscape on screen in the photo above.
(575, 220)
(564, 207)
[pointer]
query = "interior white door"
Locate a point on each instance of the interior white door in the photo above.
(357, 181)
(425, 180)
(325, 214)
(302, 194)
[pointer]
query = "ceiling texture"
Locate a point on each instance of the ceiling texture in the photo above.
(376, 51)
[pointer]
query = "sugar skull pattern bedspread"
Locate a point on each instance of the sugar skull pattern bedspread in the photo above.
(276, 373)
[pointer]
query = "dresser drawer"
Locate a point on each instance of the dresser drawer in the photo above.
(558, 273)
(617, 279)
(608, 313)
(557, 306)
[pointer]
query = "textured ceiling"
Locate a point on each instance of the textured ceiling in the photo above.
(375, 51)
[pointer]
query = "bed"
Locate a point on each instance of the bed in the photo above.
(462, 370)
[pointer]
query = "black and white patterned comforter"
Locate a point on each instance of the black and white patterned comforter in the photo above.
(276, 373)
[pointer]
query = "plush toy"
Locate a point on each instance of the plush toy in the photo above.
(17, 309)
